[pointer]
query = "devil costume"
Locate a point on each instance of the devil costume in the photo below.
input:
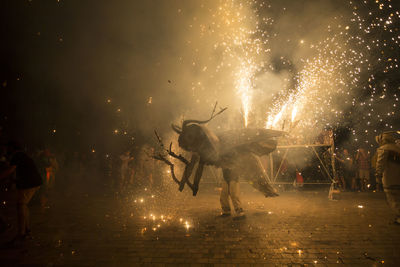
(235, 152)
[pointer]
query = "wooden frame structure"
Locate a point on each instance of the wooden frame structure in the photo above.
(273, 176)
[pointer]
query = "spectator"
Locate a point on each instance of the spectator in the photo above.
(28, 181)
(378, 180)
(299, 181)
(346, 172)
(388, 168)
(146, 166)
(125, 172)
(51, 168)
(363, 163)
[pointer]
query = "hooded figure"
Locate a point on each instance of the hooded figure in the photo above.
(388, 169)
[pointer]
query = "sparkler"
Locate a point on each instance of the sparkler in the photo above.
(335, 70)
(294, 112)
(244, 86)
(241, 52)
(346, 70)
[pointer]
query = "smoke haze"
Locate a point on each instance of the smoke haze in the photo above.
(97, 71)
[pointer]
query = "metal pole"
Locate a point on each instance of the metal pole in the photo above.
(271, 165)
(333, 157)
(322, 163)
(280, 166)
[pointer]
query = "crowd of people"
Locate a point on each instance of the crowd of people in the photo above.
(381, 172)
(139, 170)
(357, 172)
(36, 175)
(354, 171)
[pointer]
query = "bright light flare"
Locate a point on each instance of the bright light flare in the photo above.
(244, 86)
(294, 112)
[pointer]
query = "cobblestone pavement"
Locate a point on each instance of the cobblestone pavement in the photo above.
(173, 228)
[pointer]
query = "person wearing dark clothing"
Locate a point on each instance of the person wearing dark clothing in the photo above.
(346, 167)
(28, 181)
(27, 174)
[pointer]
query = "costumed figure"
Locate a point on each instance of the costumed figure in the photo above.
(236, 152)
(388, 170)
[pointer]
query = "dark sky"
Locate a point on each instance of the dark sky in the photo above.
(62, 60)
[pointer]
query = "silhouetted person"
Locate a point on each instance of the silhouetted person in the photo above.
(51, 168)
(28, 181)
(388, 168)
(363, 164)
(125, 170)
(346, 166)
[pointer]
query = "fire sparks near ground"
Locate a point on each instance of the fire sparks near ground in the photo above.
(155, 213)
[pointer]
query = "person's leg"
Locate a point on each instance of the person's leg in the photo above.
(393, 199)
(132, 176)
(234, 192)
(348, 180)
(27, 225)
(21, 204)
(343, 182)
(367, 180)
(52, 178)
(25, 196)
(364, 177)
(379, 186)
(21, 219)
(122, 179)
(354, 184)
(224, 199)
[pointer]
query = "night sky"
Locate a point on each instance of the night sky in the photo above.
(62, 61)
(105, 74)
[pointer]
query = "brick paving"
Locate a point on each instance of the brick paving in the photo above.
(298, 228)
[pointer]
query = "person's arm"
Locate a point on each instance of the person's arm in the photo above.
(380, 162)
(350, 159)
(339, 159)
(7, 172)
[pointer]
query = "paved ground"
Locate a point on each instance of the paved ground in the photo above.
(174, 228)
